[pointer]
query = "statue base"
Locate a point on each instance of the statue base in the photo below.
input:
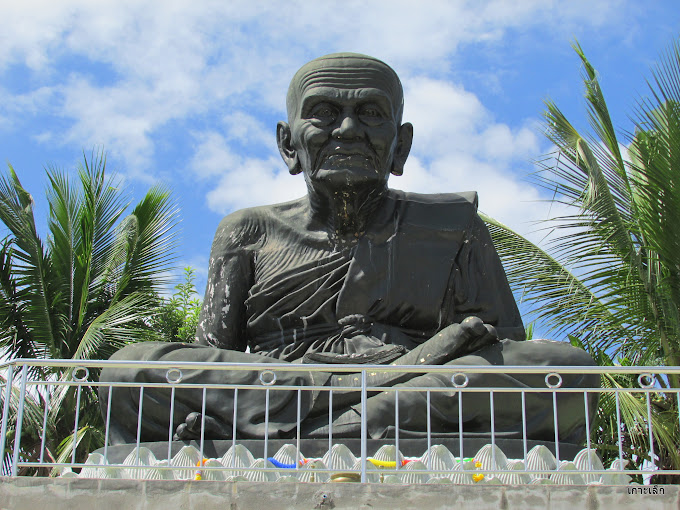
(314, 448)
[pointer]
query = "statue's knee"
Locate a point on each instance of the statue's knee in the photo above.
(132, 352)
(581, 357)
(568, 355)
(560, 353)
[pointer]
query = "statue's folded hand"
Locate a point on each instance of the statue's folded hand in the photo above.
(458, 340)
(477, 335)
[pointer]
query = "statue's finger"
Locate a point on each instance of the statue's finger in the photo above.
(491, 330)
(473, 327)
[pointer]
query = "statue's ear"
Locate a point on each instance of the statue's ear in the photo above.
(404, 140)
(288, 153)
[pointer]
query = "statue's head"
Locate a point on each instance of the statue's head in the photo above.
(344, 121)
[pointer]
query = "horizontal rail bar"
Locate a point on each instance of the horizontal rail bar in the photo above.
(291, 367)
(282, 387)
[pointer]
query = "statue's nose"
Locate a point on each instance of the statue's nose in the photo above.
(349, 128)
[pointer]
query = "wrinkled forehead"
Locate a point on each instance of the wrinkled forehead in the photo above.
(345, 71)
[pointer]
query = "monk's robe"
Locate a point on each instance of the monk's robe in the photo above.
(425, 262)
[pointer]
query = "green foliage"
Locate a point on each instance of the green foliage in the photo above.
(610, 276)
(86, 290)
(176, 318)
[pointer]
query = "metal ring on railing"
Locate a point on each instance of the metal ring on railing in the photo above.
(267, 373)
(556, 384)
(466, 380)
(83, 378)
(648, 377)
(174, 375)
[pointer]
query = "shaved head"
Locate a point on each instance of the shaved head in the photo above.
(345, 71)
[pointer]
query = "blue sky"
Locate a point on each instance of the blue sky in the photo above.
(188, 93)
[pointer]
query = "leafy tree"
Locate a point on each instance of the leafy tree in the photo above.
(81, 293)
(176, 318)
(610, 277)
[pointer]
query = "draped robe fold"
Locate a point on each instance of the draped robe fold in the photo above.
(425, 262)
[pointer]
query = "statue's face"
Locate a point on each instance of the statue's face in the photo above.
(346, 133)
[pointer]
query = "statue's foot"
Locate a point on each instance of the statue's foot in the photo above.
(191, 428)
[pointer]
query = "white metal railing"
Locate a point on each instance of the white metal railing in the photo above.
(24, 393)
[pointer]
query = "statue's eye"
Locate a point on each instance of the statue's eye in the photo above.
(370, 112)
(323, 112)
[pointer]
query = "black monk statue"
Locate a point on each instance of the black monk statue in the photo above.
(353, 272)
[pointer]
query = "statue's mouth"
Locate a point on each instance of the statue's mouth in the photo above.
(342, 157)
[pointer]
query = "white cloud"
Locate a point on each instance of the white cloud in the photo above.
(249, 131)
(14, 105)
(194, 64)
(213, 157)
(255, 182)
(458, 146)
(173, 60)
(242, 181)
(449, 119)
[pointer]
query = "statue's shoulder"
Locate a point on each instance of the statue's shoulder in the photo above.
(440, 211)
(248, 226)
(464, 199)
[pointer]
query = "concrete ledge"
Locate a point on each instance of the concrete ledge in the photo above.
(76, 494)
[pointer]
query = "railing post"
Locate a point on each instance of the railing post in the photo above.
(460, 424)
(5, 411)
(618, 424)
(396, 430)
(364, 425)
(20, 419)
(171, 425)
(299, 425)
(202, 443)
(266, 426)
(493, 429)
(233, 429)
(429, 432)
(557, 428)
(651, 430)
(587, 410)
(108, 425)
(139, 424)
(524, 427)
(330, 428)
(43, 434)
(75, 425)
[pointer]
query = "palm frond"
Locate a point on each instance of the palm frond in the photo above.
(121, 323)
(16, 339)
(562, 302)
(102, 206)
(33, 265)
(64, 203)
(150, 235)
(86, 438)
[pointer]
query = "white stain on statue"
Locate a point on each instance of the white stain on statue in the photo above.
(225, 308)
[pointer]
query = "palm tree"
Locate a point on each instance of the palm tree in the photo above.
(84, 292)
(610, 276)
